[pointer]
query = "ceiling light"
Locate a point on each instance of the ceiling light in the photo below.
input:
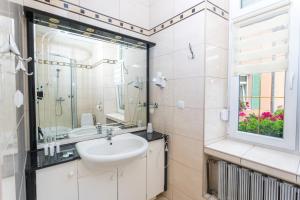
(118, 37)
(91, 30)
(53, 20)
(53, 25)
(87, 34)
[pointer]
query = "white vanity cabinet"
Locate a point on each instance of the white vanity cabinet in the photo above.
(58, 182)
(97, 184)
(155, 168)
(140, 179)
(132, 180)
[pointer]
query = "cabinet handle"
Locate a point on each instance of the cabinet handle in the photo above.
(71, 174)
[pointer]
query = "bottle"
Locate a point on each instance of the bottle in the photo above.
(51, 147)
(57, 145)
(149, 128)
(46, 149)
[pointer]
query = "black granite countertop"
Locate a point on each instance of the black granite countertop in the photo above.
(37, 160)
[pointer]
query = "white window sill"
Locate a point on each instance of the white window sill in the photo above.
(271, 162)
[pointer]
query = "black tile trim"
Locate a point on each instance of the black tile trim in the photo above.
(217, 7)
(217, 14)
(137, 29)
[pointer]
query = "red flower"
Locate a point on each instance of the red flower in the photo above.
(242, 114)
(265, 115)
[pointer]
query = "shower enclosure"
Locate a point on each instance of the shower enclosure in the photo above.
(57, 102)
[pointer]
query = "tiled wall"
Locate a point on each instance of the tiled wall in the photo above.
(131, 15)
(12, 126)
(200, 82)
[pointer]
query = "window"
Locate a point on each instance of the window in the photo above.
(245, 3)
(261, 104)
(263, 95)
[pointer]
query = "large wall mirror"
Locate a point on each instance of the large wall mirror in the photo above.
(84, 78)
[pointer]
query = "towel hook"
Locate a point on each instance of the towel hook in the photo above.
(13, 48)
(191, 51)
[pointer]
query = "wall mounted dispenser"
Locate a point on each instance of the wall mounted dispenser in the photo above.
(160, 80)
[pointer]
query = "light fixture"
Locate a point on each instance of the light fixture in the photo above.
(113, 40)
(54, 20)
(87, 34)
(118, 37)
(91, 30)
(51, 25)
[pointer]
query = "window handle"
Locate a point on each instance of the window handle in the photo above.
(291, 83)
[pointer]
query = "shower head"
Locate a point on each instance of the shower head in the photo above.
(57, 73)
(136, 83)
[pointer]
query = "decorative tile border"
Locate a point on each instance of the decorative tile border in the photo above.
(204, 5)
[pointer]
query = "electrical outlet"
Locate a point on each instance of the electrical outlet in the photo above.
(180, 104)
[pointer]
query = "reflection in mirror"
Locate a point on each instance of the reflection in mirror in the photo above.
(82, 82)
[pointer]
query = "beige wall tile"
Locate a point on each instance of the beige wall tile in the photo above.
(215, 93)
(189, 90)
(216, 62)
(216, 31)
(157, 119)
(163, 64)
(189, 122)
(163, 96)
(187, 181)
(169, 193)
(191, 30)
(178, 195)
(215, 128)
(188, 151)
(184, 66)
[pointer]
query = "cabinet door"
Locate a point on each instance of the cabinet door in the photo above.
(132, 180)
(57, 182)
(155, 168)
(100, 184)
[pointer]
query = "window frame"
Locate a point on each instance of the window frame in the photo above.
(236, 9)
(290, 122)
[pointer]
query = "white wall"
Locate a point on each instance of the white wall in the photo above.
(201, 83)
(12, 126)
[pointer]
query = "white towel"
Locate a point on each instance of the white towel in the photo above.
(87, 119)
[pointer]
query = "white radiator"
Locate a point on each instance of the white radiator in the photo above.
(237, 183)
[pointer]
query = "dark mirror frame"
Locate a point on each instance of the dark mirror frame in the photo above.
(31, 15)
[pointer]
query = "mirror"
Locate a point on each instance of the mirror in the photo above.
(82, 81)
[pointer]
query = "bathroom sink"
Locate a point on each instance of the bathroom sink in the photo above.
(82, 131)
(123, 148)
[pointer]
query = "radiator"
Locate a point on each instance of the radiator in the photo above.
(238, 183)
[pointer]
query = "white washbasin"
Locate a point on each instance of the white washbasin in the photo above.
(82, 131)
(100, 152)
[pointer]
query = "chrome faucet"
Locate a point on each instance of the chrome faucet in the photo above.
(109, 135)
(99, 128)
